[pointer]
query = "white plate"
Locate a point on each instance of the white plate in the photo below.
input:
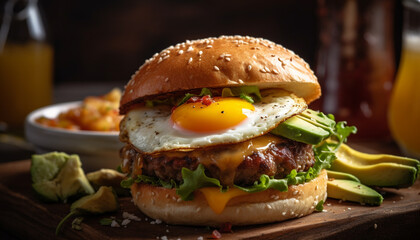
(96, 149)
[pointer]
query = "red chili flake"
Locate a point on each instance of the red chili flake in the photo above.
(216, 235)
(226, 227)
(207, 100)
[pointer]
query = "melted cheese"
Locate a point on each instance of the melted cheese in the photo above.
(217, 200)
(227, 159)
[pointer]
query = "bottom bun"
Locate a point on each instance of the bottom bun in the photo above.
(255, 208)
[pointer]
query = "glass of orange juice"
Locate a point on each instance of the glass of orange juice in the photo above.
(404, 111)
(26, 61)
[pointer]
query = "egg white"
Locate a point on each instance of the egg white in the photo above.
(151, 130)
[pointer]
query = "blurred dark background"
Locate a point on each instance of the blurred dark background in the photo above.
(107, 40)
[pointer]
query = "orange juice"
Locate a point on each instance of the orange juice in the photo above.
(404, 112)
(25, 80)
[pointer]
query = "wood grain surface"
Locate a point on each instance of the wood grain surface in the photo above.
(24, 216)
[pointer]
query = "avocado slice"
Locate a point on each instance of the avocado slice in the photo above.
(103, 201)
(108, 177)
(318, 118)
(376, 169)
(348, 190)
(58, 176)
(297, 129)
(369, 159)
(310, 127)
(342, 175)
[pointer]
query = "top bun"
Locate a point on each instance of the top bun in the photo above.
(226, 61)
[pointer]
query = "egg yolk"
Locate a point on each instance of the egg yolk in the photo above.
(222, 114)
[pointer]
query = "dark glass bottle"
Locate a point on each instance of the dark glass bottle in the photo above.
(355, 64)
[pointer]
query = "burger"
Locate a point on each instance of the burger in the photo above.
(208, 139)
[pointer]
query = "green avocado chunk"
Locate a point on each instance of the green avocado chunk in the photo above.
(46, 166)
(341, 175)
(108, 177)
(103, 201)
(58, 176)
(295, 128)
(348, 190)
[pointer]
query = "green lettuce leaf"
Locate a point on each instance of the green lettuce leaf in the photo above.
(249, 93)
(167, 101)
(205, 92)
(185, 99)
(193, 180)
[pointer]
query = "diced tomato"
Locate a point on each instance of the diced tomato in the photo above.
(207, 100)
(216, 235)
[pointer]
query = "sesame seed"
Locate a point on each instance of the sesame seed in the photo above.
(166, 79)
(275, 71)
(240, 81)
(180, 52)
(267, 69)
(249, 67)
(216, 68)
(227, 59)
(200, 53)
(209, 46)
(190, 49)
(263, 70)
(283, 213)
(375, 226)
(190, 60)
(131, 90)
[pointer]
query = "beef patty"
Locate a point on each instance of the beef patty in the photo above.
(239, 163)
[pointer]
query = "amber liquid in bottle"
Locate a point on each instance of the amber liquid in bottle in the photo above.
(356, 63)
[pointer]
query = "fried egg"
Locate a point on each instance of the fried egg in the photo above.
(196, 125)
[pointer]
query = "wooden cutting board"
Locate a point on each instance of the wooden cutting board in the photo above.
(24, 216)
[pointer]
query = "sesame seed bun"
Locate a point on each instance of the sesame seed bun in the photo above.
(226, 61)
(300, 200)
